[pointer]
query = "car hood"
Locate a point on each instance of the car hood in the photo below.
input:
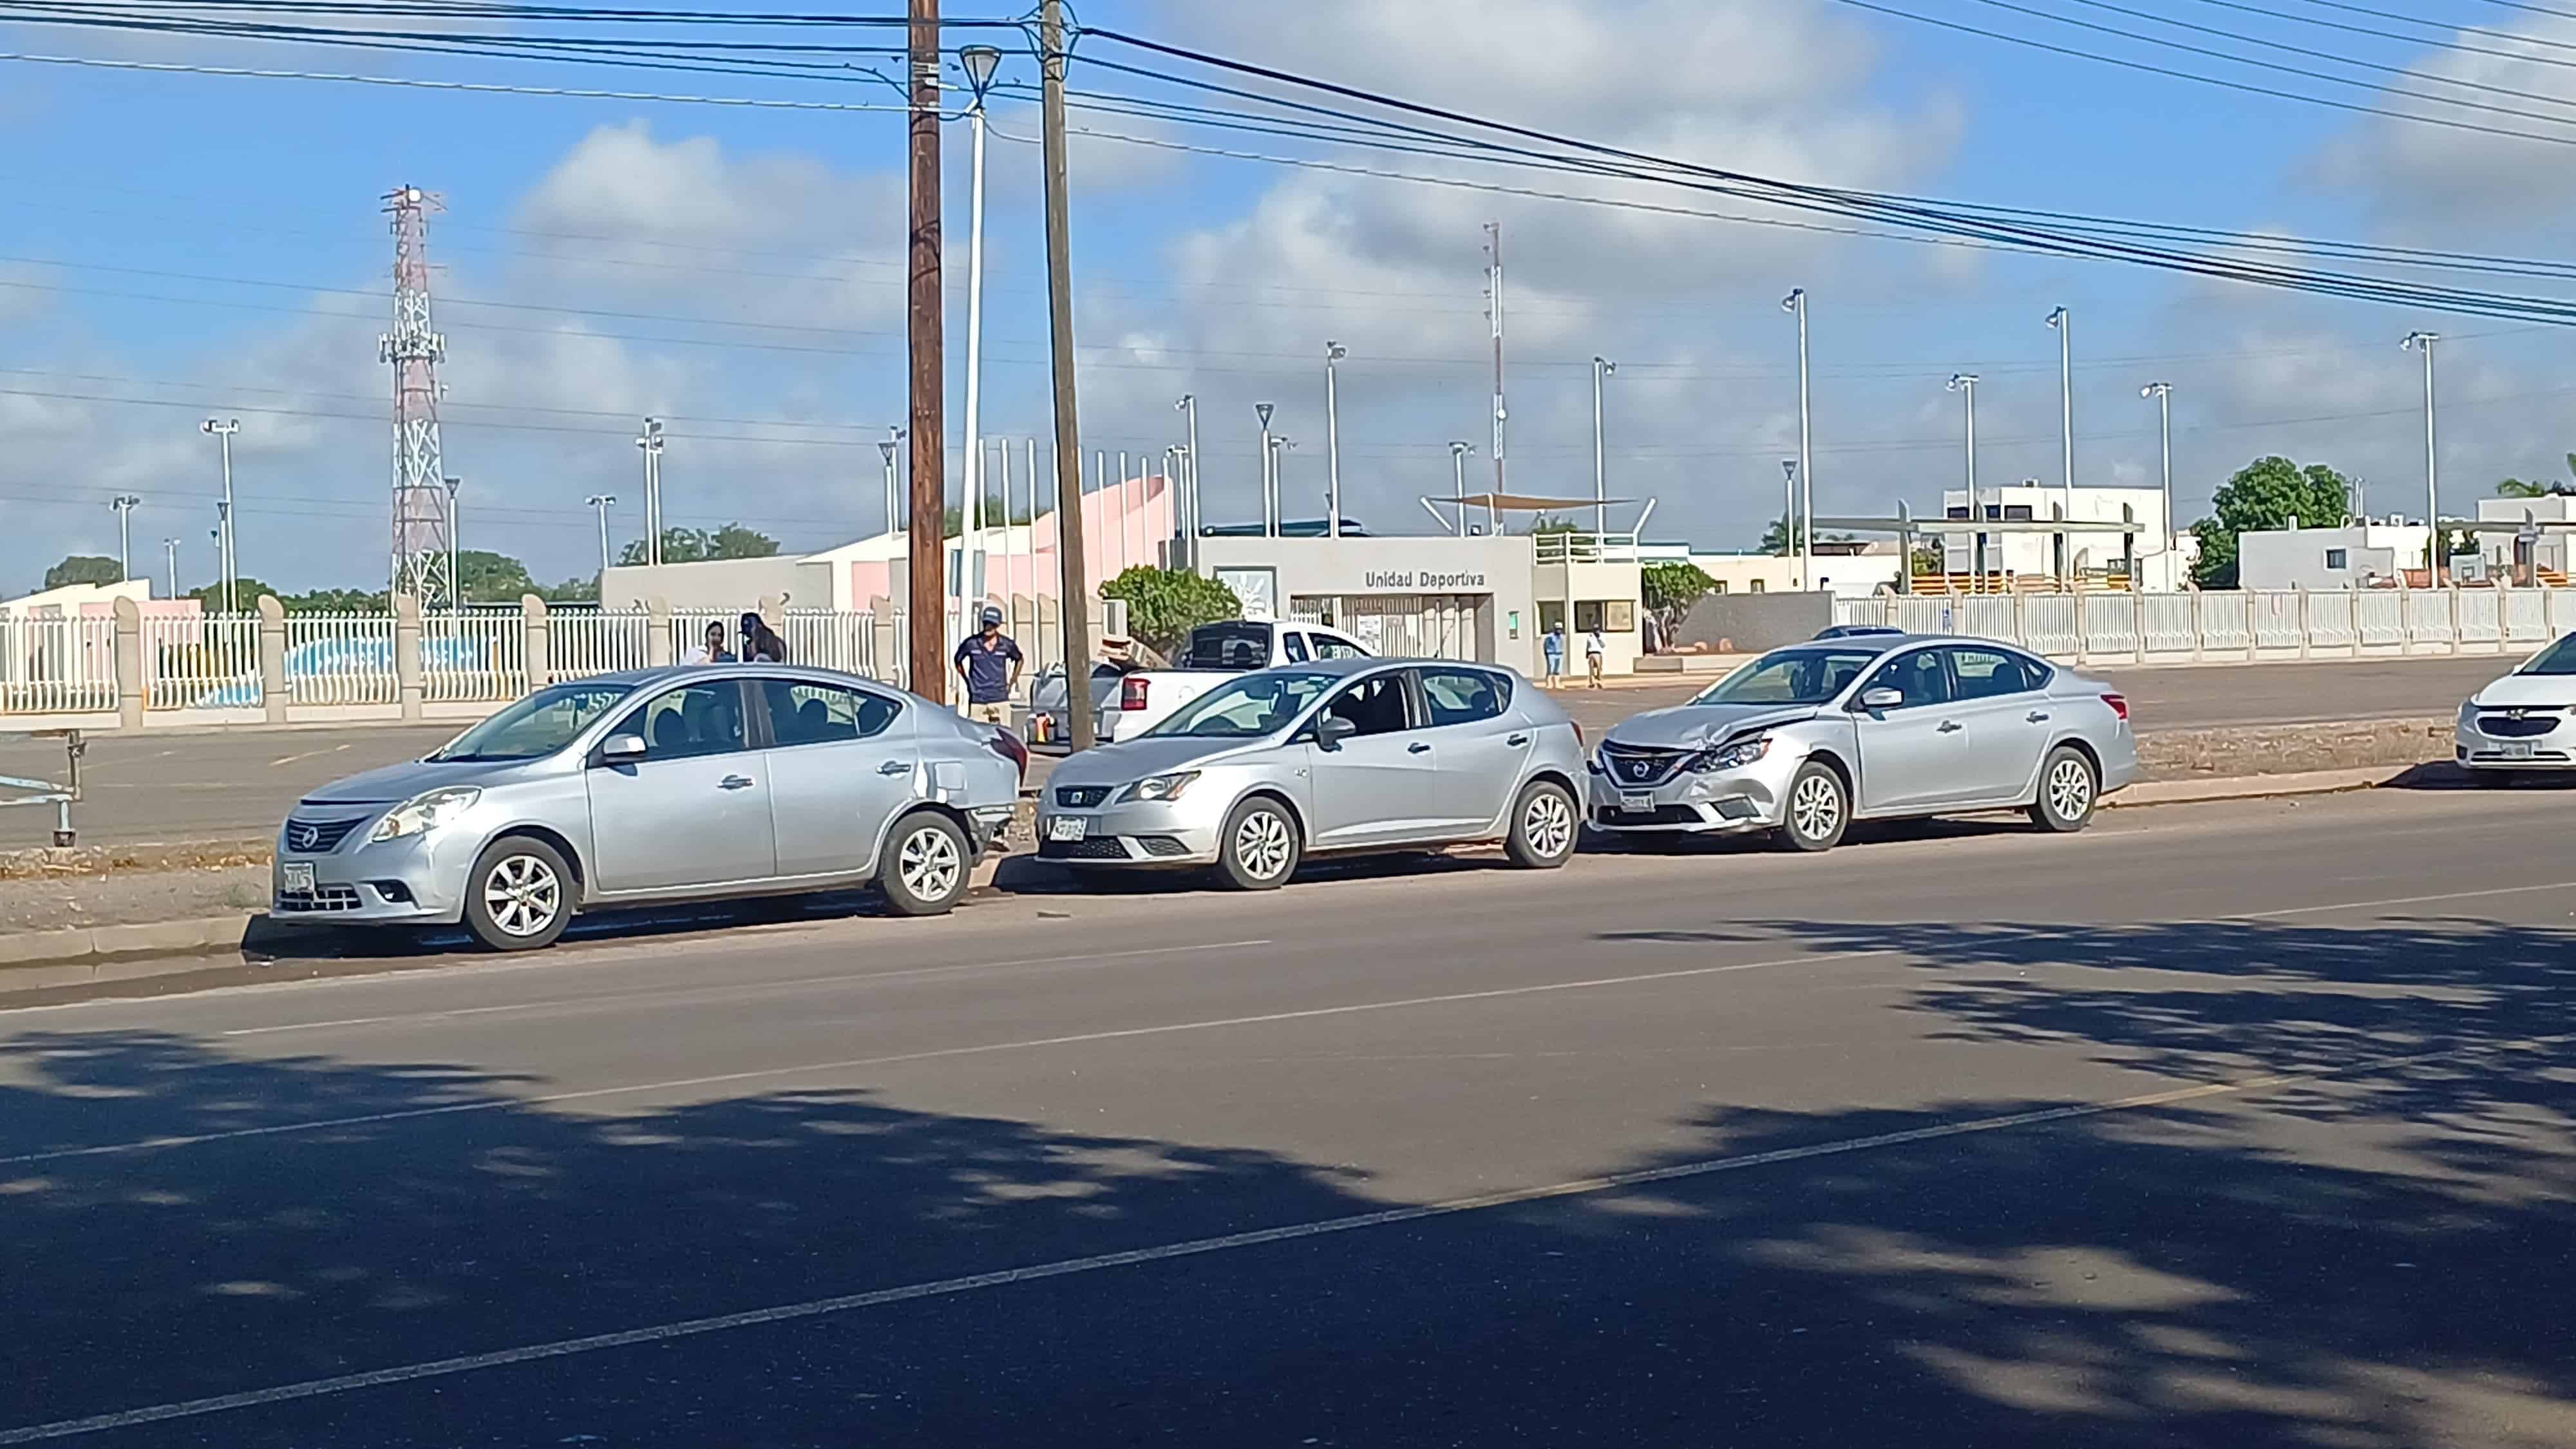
(396, 783)
(1130, 760)
(2528, 689)
(1696, 726)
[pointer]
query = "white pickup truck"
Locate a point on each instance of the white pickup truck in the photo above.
(1212, 654)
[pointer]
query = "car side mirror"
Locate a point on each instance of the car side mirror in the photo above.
(621, 749)
(1331, 730)
(1874, 700)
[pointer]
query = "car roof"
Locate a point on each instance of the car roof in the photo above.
(1891, 643)
(667, 673)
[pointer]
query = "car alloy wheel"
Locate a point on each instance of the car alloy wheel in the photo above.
(523, 895)
(1543, 829)
(2068, 791)
(928, 863)
(1816, 808)
(1263, 844)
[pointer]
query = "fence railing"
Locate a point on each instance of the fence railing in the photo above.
(473, 656)
(210, 662)
(2238, 624)
(50, 665)
(340, 659)
(581, 643)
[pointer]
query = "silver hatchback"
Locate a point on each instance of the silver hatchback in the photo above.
(1804, 740)
(1337, 756)
(658, 785)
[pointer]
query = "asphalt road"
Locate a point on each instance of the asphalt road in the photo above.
(2243, 1125)
(234, 785)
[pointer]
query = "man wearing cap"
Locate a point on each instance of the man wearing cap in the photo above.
(989, 663)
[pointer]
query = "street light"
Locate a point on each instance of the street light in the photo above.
(1458, 455)
(2423, 342)
(2162, 392)
(1789, 508)
(1602, 367)
(979, 62)
(1966, 382)
(2064, 322)
(1796, 302)
(651, 443)
(170, 555)
(1334, 352)
(1189, 500)
(1269, 478)
(124, 504)
(602, 502)
(223, 432)
(1273, 444)
(886, 448)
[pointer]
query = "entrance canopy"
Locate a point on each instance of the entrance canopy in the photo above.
(1524, 502)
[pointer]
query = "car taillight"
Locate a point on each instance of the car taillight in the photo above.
(1132, 690)
(1008, 746)
(2119, 704)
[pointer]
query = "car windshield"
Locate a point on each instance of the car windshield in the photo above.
(536, 726)
(1791, 676)
(1238, 645)
(1255, 705)
(2558, 658)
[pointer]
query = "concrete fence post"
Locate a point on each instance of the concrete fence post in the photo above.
(2459, 637)
(125, 658)
(2307, 640)
(272, 659)
(2138, 623)
(657, 632)
(2199, 638)
(536, 629)
(407, 672)
(2082, 635)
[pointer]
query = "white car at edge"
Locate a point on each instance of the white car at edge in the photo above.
(2524, 723)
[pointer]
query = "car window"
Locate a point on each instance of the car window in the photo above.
(1258, 704)
(538, 725)
(1294, 645)
(814, 714)
(1328, 647)
(2558, 658)
(1790, 676)
(1375, 705)
(697, 719)
(1463, 696)
(1986, 673)
(1237, 645)
(1918, 676)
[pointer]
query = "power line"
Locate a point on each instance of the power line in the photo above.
(2445, 27)
(475, 87)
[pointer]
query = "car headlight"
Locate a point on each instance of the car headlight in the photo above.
(426, 812)
(1733, 757)
(1159, 787)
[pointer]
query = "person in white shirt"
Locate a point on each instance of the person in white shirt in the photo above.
(714, 650)
(1594, 646)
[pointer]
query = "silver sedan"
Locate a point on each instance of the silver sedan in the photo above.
(1339, 756)
(1804, 740)
(657, 785)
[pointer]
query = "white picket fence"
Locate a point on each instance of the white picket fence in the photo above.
(2237, 624)
(57, 665)
(209, 662)
(473, 656)
(581, 643)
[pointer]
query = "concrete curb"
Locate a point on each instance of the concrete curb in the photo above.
(2253, 787)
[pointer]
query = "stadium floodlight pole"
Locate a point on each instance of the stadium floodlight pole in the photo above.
(2162, 392)
(1458, 455)
(1796, 302)
(601, 503)
(1966, 382)
(222, 432)
(887, 447)
(1334, 352)
(1189, 499)
(1602, 367)
(2423, 342)
(1269, 477)
(979, 62)
(124, 504)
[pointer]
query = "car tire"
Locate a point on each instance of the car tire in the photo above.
(1261, 846)
(520, 895)
(928, 865)
(1817, 812)
(2069, 789)
(1545, 826)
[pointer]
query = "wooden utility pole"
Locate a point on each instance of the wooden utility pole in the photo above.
(927, 598)
(1074, 607)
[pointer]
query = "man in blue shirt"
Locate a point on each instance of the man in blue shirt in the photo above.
(989, 663)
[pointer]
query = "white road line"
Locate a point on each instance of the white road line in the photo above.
(280, 1129)
(2561, 885)
(1198, 1247)
(307, 755)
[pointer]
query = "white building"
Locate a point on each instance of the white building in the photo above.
(2155, 559)
(2551, 518)
(1847, 570)
(2357, 556)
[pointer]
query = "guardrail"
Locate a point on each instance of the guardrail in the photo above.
(2237, 624)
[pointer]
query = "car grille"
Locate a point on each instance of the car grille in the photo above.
(314, 837)
(1660, 815)
(1081, 797)
(2536, 757)
(2508, 727)
(1630, 765)
(324, 899)
(1097, 847)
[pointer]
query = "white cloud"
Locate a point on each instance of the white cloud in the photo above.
(2426, 180)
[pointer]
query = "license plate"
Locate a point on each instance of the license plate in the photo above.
(1067, 827)
(296, 876)
(2518, 750)
(1641, 801)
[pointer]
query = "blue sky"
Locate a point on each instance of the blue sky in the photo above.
(187, 245)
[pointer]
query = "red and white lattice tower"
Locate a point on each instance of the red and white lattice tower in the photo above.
(415, 348)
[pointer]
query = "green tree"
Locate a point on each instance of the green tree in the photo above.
(1164, 605)
(1671, 588)
(246, 592)
(698, 545)
(1775, 539)
(484, 577)
(334, 601)
(580, 589)
(1551, 523)
(84, 568)
(2509, 488)
(2266, 494)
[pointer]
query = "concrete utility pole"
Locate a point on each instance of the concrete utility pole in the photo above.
(602, 502)
(1334, 352)
(929, 545)
(1458, 454)
(2162, 392)
(1602, 368)
(124, 504)
(2064, 322)
(1269, 479)
(1966, 382)
(1796, 302)
(2423, 342)
(1075, 607)
(222, 432)
(1494, 296)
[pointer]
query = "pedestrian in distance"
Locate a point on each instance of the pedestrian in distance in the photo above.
(714, 650)
(760, 643)
(1552, 644)
(989, 663)
(1594, 646)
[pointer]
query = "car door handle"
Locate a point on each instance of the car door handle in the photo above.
(894, 767)
(1417, 748)
(1950, 725)
(734, 782)
(1517, 740)
(2037, 716)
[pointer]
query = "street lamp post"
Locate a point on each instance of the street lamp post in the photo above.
(1789, 508)
(2423, 342)
(223, 432)
(1966, 382)
(1334, 352)
(601, 503)
(2064, 322)
(1189, 499)
(1458, 455)
(170, 558)
(1796, 302)
(1602, 367)
(651, 443)
(2162, 392)
(979, 63)
(886, 448)
(1275, 444)
(1269, 477)
(124, 504)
